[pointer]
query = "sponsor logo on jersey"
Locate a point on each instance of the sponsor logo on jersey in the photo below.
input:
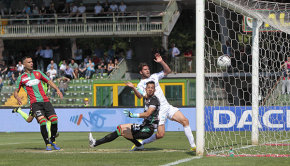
(32, 82)
(25, 79)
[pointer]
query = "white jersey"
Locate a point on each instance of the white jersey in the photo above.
(158, 91)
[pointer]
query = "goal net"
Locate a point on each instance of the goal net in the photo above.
(229, 30)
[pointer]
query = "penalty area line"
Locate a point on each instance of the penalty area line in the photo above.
(182, 161)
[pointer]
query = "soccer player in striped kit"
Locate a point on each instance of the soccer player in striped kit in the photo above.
(40, 105)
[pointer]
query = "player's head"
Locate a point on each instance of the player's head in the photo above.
(28, 63)
(144, 70)
(288, 58)
(150, 88)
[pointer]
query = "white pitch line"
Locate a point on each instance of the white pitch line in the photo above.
(243, 147)
(182, 161)
(15, 143)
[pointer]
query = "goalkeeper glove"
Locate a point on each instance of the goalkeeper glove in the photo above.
(130, 114)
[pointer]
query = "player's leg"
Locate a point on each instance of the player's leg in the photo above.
(160, 130)
(128, 131)
(108, 138)
(52, 117)
(160, 134)
(48, 128)
(180, 118)
(161, 126)
(42, 122)
(23, 114)
(140, 132)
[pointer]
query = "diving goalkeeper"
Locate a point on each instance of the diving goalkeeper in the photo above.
(132, 132)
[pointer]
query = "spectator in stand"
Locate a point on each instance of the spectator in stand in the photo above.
(47, 56)
(174, 55)
(113, 7)
(111, 52)
(122, 8)
(20, 68)
(63, 83)
(129, 58)
(69, 73)
(54, 65)
(37, 59)
(46, 3)
(26, 10)
(51, 11)
(188, 57)
(86, 102)
(286, 76)
(81, 11)
(3, 70)
(101, 69)
(62, 68)
(82, 70)
(98, 9)
(110, 67)
(106, 7)
(51, 73)
(116, 62)
(73, 11)
(75, 67)
(12, 73)
(66, 8)
(42, 13)
(78, 55)
(86, 60)
(35, 12)
(90, 69)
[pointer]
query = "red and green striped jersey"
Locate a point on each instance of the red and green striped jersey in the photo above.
(32, 85)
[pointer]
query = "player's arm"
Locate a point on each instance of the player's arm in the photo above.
(137, 93)
(149, 111)
(17, 97)
(166, 68)
(56, 88)
(18, 86)
(49, 82)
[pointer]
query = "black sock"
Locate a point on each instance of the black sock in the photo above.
(44, 134)
(108, 138)
(53, 132)
(137, 143)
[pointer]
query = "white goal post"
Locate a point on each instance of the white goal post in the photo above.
(244, 107)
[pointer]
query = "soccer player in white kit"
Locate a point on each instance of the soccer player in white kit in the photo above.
(167, 111)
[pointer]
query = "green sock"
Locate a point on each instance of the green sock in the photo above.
(23, 114)
(48, 127)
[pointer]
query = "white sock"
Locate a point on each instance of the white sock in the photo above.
(188, 133)
(150, 139)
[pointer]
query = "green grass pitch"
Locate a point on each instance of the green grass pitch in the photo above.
(28, 149)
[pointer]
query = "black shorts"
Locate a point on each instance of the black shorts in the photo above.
(142, 132)
(42, 109)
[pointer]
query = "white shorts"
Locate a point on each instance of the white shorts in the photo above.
(166, 112)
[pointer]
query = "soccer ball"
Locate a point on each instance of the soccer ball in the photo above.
(224, 61)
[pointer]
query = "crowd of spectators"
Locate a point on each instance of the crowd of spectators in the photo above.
(82, 65)
(42, 12)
